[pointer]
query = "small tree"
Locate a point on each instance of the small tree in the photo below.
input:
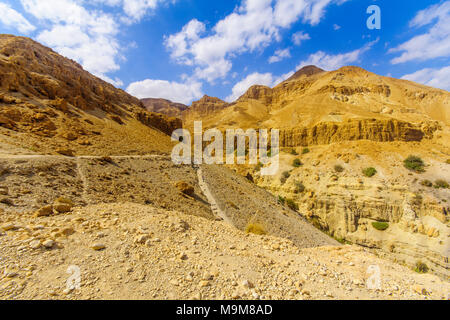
(299, 187)
(297, 163)
(291, 204)
(427, 183)
(370, 172)
(338, 168)
(421, 267)
(441, 184)
(415, 164)
(255, 228)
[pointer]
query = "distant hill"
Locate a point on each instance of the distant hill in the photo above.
(164, 106)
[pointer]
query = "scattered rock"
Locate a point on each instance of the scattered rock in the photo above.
(98, 246)
(48, 244)
(9, 226)
(204, 283)
(247, 284)
(66, 152)
(44, 211)
(185, 188)
(36, 244)
(4, 191)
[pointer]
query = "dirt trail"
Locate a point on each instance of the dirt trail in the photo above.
(212, 201)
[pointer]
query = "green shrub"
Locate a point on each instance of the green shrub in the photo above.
(415, 164)
(381, 226)
(259, 166)
(294, 152)
(299, 187)
(281, 200)
(448, 161)
(427, 183)
(297, 163)
(291, 204)
(305, 151)
(284, 176)
(370, 172)
(255, 228)
(441, 184)
(338, 168)
(421, 267)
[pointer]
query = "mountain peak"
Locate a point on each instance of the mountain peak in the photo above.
(306, 71)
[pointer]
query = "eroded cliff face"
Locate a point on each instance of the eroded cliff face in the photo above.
(161, 122)
(345, 203)
(353, 130)
(49, 103)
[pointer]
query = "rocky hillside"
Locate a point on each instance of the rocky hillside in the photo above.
(131, 251)
(163, 106)
(334, 126)
(50, 104)
(315, 107)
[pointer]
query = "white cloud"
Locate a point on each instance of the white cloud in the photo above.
(438, 78)
(263, 79)
(88, 37)
(334, 62)
(134, 10)
(174, 91)
(336, 27)
(299, 37)
(280, 55)
(433, 44)
(252, 26)
(11, 18)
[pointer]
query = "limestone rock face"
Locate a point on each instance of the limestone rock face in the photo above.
(353, 130)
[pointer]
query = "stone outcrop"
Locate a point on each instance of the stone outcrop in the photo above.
(160, 121)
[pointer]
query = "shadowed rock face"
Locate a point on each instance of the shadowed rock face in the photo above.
(47, 96)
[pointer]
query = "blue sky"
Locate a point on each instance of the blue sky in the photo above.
(182, 49)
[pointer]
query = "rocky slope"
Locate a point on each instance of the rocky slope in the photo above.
(352, 119)
(110, 246)
(163, 106)
(49, 103)
(338, 198)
